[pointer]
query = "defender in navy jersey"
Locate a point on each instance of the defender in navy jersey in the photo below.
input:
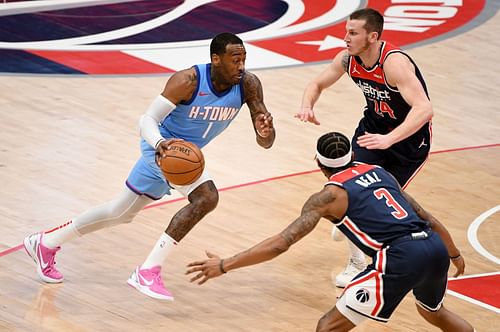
(395, 130)
(196, 105)
(410, 249)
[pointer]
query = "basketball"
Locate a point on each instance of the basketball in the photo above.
(182, 163)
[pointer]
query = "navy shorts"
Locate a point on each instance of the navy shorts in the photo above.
(406, 265)
(403, 160)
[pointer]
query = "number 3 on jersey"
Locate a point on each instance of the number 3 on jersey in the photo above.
(399, 212)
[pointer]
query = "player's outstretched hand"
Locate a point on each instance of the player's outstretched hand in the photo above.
(207, 269)
(374, 141)
(264, 124)
(307, 115)
(459, 263)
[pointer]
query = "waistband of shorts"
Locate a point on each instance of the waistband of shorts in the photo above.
(422, 235)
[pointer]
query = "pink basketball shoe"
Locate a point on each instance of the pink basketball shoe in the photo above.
(149, 282)
(44, 258)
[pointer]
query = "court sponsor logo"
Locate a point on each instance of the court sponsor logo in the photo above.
(162, 36)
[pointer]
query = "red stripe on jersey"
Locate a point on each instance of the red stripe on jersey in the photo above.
(376, 73)
(106, 62)
(363, 237)
(351, 172)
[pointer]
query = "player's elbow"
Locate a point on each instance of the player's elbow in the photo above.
(428, 111)
(280, 245)
(144, 121)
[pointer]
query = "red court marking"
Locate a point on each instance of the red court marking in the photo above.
(105, 62)
(483, 288)
(467, 148)
(13, 249)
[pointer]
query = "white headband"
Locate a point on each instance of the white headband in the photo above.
(334, 163)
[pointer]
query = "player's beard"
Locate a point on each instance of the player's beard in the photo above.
(363, 48)
(366, 46)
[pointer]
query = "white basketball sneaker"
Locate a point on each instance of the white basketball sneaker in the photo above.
(352, 269)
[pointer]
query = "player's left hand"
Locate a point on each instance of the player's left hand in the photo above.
(459, 263)
(208, 268)
(264, 124)
(374, 141)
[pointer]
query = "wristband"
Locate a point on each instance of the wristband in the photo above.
(455, 257)
(221, 266)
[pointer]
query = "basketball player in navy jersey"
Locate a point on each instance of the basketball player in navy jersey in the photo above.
(196, 105)
(410, 249)
(395, 131)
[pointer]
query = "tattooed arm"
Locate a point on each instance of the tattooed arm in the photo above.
(262, 120)
(319, 205)
(453, 252)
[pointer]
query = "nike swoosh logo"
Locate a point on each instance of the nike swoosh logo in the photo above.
(40, 257)
(203, 94)
(147, 282)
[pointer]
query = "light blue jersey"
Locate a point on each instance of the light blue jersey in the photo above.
(198, 120)
(207, 114)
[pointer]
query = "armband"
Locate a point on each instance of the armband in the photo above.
(156, 113)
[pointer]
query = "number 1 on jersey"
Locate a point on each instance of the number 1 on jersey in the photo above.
(210, 124)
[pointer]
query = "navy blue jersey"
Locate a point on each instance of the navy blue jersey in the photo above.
(385, 106)
(377, 212)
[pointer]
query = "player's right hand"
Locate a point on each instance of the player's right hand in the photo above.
(307, 115)
(163, 146)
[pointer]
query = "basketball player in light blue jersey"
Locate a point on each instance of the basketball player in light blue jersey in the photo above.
(196, 105)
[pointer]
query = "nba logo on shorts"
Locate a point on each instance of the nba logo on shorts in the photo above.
(362, 295)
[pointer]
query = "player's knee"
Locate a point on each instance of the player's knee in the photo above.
(432, 317)
(127, 218)
(324, 324)
(121, 216)
(209, 201)
(205, 197)
(321, 325)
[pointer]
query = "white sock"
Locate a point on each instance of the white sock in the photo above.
(55, 237)
(356, 255)
(160, 251)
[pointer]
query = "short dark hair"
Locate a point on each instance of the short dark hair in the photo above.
(374, 21)
(219, 42)
(333, 145)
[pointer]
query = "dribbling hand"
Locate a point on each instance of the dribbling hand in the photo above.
(163, 146)
(208, 268)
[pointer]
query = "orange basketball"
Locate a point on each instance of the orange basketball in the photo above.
(182, 163)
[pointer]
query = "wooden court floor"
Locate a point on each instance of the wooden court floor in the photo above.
(69, 143)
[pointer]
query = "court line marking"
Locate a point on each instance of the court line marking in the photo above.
(473, 230)
(20, 246)
(473, 301)
(470, 299)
